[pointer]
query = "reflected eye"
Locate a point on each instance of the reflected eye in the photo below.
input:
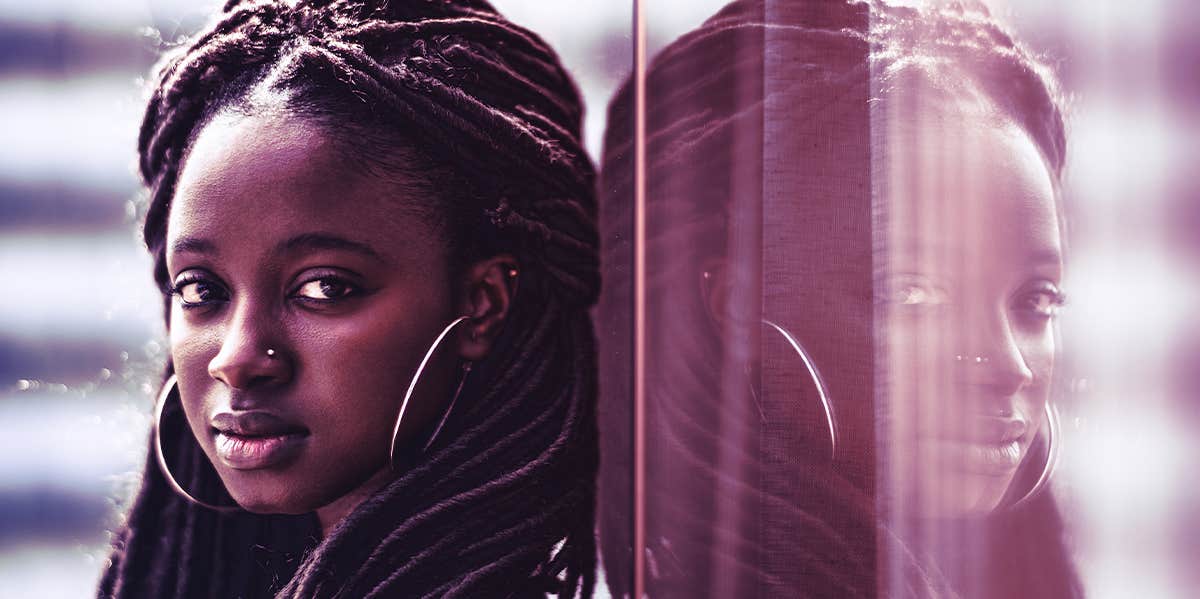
(194, 290)
(326, 288)
(912, 295)
(916, 291)
(1042, 302)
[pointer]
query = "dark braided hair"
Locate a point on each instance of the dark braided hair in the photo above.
(775, 101)
(502, 504)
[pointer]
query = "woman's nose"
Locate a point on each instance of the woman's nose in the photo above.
(992, 358)
(251, 355)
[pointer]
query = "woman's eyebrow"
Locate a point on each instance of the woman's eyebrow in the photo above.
(193, 245)
(1045, 256)
(326, 241)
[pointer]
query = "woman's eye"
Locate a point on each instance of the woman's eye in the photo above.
(916, 293)
(912, 295)
(326, 289)
(198, 292)
(1042, 303)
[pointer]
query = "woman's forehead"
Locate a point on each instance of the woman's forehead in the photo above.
(950, 178)
(254, 177)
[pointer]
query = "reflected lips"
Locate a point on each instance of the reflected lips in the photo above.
(255, 440)
(996, 451)
(994, 458)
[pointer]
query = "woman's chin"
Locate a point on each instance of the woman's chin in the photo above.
(296, 492)
(256, 503)
(957, 495)
(267, 496)
(955, 479)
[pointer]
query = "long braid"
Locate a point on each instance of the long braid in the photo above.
(503, 503)
(504, 494)
(460, 450)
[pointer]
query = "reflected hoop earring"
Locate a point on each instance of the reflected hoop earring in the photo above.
(412, 385)
(822, 389)
(170, 385)
(1052, 450)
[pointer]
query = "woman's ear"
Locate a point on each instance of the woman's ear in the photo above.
(489, 287)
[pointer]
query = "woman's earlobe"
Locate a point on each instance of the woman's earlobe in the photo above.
(490, 287)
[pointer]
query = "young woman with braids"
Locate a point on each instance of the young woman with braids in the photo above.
(350, 199)
(854, 256)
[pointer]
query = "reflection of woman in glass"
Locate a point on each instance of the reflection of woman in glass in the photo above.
(971, 281)
(351, 199)
(872, 190)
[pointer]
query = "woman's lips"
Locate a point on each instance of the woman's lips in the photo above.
(994, 459)
(995, 449)
(255, 440)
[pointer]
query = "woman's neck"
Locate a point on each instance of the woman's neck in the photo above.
(332, 513)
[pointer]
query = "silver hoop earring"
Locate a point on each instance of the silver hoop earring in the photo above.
(170, 385)
(412, 385)
(822, 389)
(1052, 449)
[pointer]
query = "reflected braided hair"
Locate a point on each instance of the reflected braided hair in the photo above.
(707, 98)
(503, 503)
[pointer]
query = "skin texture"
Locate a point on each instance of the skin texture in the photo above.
(275, 242)
(974, 276)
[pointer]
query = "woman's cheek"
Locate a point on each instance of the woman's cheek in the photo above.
(357, 344)
(190, 346)
(918, 354)
(1038, 351)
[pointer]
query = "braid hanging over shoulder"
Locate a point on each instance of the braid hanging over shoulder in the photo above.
(502, 505)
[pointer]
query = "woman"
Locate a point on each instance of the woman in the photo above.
(854, 258)
(348, 199)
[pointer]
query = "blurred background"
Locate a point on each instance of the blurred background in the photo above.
(81, 339)
(1131, 331)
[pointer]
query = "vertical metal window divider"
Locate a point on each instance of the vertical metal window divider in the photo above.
(639, 302)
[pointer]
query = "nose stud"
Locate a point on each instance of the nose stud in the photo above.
(271, 354)
(972, 359)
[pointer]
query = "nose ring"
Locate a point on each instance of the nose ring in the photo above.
(973, 359)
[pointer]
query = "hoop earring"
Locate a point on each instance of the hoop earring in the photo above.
(412, 385)
(1053, 430)
(822, 389)
(170, 385)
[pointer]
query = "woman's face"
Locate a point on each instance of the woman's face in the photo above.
(974, 269)
(276, 246)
